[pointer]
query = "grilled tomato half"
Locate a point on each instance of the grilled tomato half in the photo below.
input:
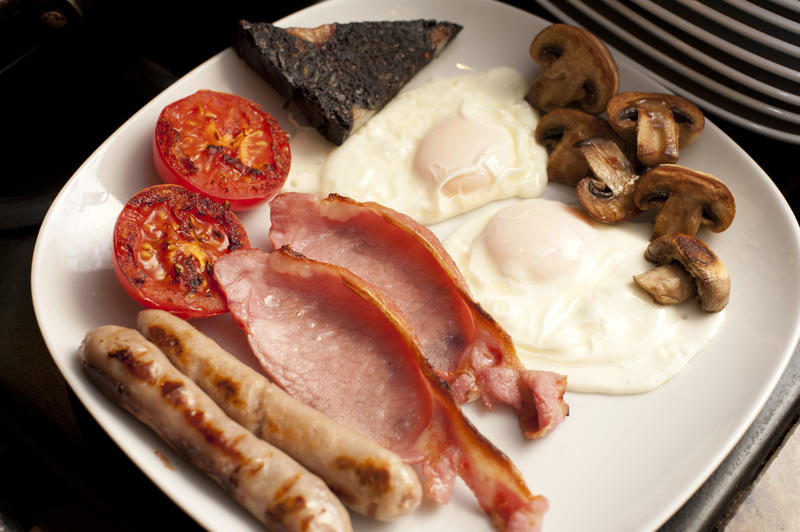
(223, 146)
(166, 242)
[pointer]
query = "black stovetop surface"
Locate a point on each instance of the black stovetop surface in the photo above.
(62, 96)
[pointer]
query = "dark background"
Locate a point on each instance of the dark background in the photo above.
(63, 92)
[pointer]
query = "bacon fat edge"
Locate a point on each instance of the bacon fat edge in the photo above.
(404, 259)
(338, 344)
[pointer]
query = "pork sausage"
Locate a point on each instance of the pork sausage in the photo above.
(368, 478)
(278, 491)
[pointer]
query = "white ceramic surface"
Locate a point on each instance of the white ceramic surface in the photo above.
(617, 463)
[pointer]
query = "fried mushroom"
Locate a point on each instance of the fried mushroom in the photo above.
(709, 274)
(578, 69)
(558, 131)
(669, 284)
(685, 198)
(607, 195)
(659, 124)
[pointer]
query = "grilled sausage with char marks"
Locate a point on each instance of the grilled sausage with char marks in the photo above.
(368, 478)
(278, 491)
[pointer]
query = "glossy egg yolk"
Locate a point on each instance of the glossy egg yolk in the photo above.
(461, 155)
(541, 242)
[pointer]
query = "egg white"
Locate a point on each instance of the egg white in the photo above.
(561, 285)
(444, 153)
(433, 152)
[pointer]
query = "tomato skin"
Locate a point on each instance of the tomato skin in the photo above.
(166, 241)
(223, 146)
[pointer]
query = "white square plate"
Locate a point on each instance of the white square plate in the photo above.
(617, 463)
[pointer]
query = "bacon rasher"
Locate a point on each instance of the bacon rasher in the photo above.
(404, 259)
(341, 346)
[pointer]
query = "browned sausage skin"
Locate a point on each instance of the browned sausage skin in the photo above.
(367, 477)
(271, 485)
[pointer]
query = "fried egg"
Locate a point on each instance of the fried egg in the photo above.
(561, 285)
(433, 152)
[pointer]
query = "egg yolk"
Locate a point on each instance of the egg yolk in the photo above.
(538, 241)
(459, 155)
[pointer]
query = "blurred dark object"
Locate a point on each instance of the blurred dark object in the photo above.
(72, 71)
(25, 25)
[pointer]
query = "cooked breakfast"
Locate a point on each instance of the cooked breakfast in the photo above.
(278, 491)
(559, 131)
(606, 193)
(368, 478)
(340, 75)
(368, 331)
(435, 151)
(616, 181)
(560, 283)
(333, 341)
(406, 261)
(223, 146)
(657, 124)
(703, 273)
(578, 70)
(685, 199)
(166, 240)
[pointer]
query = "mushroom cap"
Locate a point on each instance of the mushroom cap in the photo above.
(558, 131)
(659, 124)
(607, 195)
(578, 69)
(686, 199)
(708, 271)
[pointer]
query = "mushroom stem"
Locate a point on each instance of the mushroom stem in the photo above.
(679, 214)
(609, 164)
(657, 135)
(608, 195)
(559, 131)
(669, 284)
(660, 124)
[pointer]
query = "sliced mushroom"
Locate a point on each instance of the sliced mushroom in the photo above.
(558, 131)
(659, 124)
(607, 195)
(705, 268)
(669, 284)
(685, 199)
(578, 69)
